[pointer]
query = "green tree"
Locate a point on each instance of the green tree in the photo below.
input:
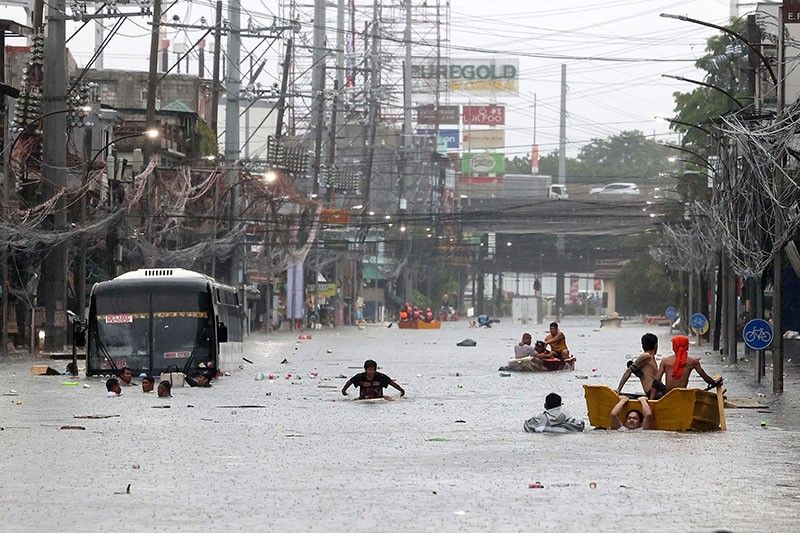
(630, 154)
(644, 286)
(518, 165)
(726, 64)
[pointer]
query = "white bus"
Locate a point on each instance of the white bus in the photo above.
(163, 319)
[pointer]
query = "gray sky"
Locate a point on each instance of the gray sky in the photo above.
(604, 97)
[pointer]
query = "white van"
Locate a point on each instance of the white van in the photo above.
(558, 192)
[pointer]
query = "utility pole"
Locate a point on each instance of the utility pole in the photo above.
(150, 146)
(232, 88)
(287, 62)
(99, 37)
(319, 54)
(777, 283)
(374, 82)
(54, 160)
(215, 73)
(332, 142)
(562, 129)
(562, 178)
(340, 44)
(408, 148)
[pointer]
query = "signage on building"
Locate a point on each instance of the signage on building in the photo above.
(258, 277)
(335, 216)
(449, 136)
(324, 290)
(483, 115)
(480, 180)
(493, 76)
(489, 163)
(484, 140)
(444, 114)
(791, 11)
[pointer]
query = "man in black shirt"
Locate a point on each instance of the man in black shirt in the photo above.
(371, 382)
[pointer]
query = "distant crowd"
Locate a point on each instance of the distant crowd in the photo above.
(114, 386)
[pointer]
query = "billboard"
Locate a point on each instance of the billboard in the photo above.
(450, 136)
(445, 114)
(489, 163)
(484, 115)
(485, 76)
(484, 140)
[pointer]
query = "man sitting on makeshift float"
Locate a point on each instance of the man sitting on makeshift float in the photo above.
(677, 368)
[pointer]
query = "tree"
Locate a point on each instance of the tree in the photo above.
(630, 154)
(644, 287)
(727, 67)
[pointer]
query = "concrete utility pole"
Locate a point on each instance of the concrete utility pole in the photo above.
(319, 54)
(562, 129)
(215, 70)
(408, 147)
(54, 160)
(777, 283)
(374, 84)
(151, 145)
(562, 179)
(232, 88)
(99, 36)
(340, 44)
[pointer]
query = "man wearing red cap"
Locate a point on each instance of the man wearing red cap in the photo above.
(678, 367)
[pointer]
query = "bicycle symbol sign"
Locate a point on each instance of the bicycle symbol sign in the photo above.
(699, 323)
(757, 334)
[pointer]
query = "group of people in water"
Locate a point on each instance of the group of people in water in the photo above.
(124, 378)
(531, 356)
(407, 312)
(674, 370)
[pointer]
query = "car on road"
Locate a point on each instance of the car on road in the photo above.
(558, 192)
(616, 188)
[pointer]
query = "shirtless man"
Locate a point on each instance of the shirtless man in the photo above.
(557, 342)
(678, 367)
(644, 367)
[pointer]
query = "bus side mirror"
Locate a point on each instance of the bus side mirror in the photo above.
(222, 332)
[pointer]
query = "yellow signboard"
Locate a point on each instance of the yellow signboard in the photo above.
(325, 290)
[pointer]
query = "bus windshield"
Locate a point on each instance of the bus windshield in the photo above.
(153, 329)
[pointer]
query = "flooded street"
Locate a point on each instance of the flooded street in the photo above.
(450, 456)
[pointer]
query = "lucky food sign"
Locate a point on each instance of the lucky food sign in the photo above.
(484, 115)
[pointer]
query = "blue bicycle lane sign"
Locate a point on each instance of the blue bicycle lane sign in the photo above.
(757, 334)
(699, 323)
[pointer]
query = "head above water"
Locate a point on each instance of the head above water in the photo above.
(526, 338)
(540, 346)
(649, 342)
(112, 385)
(634, 419)
(552, 400)
(164, 389)
(370, 367)
(126, 375)
(148, 383)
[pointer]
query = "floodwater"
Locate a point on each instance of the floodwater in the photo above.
(313, 460)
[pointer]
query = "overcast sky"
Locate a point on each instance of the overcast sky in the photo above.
(603, 98)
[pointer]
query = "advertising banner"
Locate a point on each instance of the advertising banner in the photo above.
(484, 115)
(446, 114)
(450, 136)
(480, 180)
(535, 159)
(573, 289)
(490, 163)
(485, 76)
(484, 140)
(335, 216)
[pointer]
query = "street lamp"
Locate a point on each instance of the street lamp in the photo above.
(152, 133)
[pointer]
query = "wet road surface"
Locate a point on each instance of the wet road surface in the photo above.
(313, 460)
